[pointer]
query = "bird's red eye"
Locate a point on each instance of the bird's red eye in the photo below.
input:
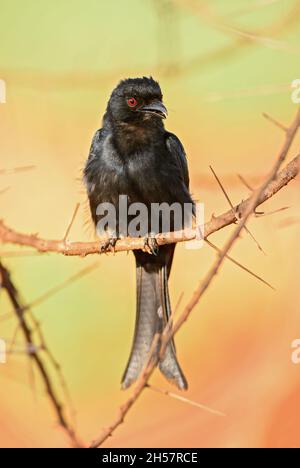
(132, 102)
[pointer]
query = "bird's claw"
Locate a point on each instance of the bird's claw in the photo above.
(108, 245)
(151, 245)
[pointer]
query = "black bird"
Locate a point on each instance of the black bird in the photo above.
(133, 155)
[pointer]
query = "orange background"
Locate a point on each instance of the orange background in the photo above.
(60, 61)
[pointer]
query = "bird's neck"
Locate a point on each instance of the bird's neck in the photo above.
(132, 137)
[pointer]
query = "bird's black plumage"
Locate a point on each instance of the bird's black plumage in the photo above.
(133, 155)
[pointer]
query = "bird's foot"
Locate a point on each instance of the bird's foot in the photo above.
(151, 245)
(108, 245)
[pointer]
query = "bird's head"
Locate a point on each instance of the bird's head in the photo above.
(137, 100)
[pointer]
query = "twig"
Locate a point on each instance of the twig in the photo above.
(71, 222)
(185, 400)
(10, 236)
(222, 187)
(221, 24)
(13, 295)
(178, 302)
(50, 292)
(240, 265)
(275, 122)
(244, 181)
(232, 207)
(269, 213)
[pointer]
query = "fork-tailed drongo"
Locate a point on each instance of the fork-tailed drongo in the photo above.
(133, 155)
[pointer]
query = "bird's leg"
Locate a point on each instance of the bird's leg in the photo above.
(151, 245)
(109, 245)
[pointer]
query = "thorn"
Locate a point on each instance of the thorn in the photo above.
(240, 265)
(243, 180)
(71, 222)
(233, 208)
(275, 122)
(185, 400)
(255, 240)
(260, 214)
(222, 187)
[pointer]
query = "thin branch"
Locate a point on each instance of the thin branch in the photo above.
(269, 213)
(71, 222)
(57, 367)
(244, 181)
(222, 188)
(10, 236)
(91, 80)
(221, 24)
(178, 302)
(36, 356)
(275, 122)
(235, 262)
(232, 207)
(54, 290)
(185, 400)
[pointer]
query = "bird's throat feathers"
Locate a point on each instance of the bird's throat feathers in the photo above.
(130, 137)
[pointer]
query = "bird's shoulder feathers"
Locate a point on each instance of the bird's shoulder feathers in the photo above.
(176, 149)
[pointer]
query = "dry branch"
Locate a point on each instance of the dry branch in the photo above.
(10, 236)
(265, 191)
(222, 24)
(34, 352)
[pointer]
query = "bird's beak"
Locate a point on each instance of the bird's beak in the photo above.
(155, 107)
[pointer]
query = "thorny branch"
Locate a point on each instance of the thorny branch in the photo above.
(232, 216)
(35, 353)
(160, 342)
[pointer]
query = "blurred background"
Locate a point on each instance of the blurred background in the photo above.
(220, 65)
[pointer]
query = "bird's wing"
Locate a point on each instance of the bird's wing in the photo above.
(175, 147)
(96, 146)
(94, 160)
(92, 169)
